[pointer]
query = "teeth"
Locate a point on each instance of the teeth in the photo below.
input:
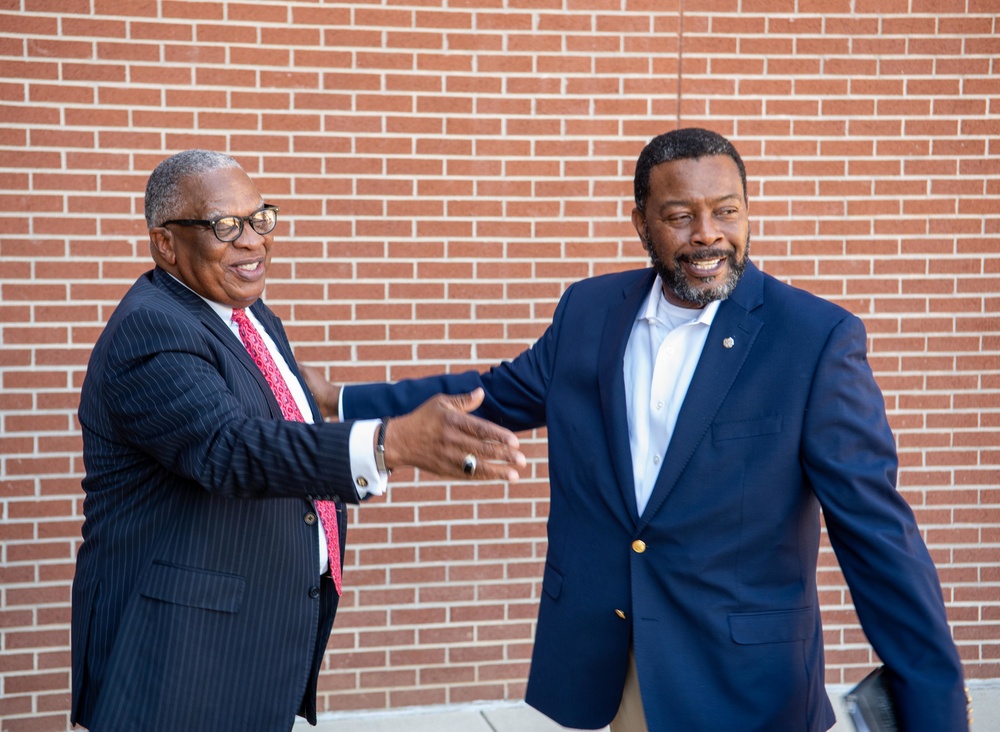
(706, 264)
(248, 267)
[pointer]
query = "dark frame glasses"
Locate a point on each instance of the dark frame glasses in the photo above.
(230, 228)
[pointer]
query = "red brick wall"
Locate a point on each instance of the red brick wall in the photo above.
(444, 170)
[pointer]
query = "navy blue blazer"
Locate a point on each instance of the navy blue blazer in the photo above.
(197, 600)
(715, 583)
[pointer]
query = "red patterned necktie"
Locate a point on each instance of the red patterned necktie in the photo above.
(265, 362)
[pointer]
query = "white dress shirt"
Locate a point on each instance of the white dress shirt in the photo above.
(660, 358)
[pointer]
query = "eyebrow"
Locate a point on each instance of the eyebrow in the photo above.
(222, 214)
(714, 201)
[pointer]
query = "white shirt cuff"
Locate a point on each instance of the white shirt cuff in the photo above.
(367, 479)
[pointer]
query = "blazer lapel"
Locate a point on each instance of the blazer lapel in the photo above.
(611, 377)
(726, 349)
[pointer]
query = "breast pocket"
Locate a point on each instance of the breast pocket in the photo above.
(193, 587)
(743, 428)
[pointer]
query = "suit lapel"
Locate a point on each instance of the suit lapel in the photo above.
(729, 341)
(611, 378)
(200, 309)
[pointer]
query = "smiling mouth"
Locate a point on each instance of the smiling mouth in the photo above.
(706, 267)
(247, 266)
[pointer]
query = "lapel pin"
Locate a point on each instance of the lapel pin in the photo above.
(728, 342)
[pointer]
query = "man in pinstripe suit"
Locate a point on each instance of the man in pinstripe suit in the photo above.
(204, 593)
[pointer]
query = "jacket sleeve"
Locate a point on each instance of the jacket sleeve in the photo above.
(175, 394)
(516, 390)
(849, 456)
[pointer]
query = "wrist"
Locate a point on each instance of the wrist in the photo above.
(380, 447)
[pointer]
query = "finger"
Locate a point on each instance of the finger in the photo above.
(483, 430)
(466, 402)
(496, 456)
(496, 452)
(493, 472)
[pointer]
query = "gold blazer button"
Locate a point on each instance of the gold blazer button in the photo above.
(638, 546)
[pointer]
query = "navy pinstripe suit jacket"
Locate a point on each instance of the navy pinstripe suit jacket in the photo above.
(197, 601)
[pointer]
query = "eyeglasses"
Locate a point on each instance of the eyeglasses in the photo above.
(230, 228)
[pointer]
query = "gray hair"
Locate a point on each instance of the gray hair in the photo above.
(163, 192)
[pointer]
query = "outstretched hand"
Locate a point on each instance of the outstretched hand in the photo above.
(440, 433)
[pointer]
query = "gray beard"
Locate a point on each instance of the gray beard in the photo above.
(675, 281)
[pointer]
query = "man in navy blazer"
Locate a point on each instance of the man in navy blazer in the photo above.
(700, 415)
(203, 597)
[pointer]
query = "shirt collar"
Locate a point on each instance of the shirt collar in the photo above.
(656, 308)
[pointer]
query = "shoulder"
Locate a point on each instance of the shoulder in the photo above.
(790, 321)
(601, 289)
(811, 329)
(617, 280)
(151, 317)
(793, 304)
(157, 291)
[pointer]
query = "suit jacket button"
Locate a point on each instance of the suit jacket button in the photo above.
(309, 518)
(313, 592)
(638, 546)
(620, 614)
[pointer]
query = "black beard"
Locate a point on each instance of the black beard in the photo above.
(675, 281)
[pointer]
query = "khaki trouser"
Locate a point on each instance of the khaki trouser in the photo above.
(630, 717)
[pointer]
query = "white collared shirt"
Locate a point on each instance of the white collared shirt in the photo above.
(662, 352)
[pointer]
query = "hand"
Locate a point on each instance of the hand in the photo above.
(327, 395)
(440, 433)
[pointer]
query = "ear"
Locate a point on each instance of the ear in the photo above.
(639, 222)
(161, 245)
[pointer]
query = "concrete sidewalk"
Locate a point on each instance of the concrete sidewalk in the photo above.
(519, 717)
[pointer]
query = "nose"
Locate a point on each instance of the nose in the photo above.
(248, 238)
(705, 230)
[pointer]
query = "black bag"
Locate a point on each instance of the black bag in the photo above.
(870, 706)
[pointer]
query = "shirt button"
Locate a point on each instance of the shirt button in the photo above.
(313, 592)
(659, 405)
(309, 518)
(638, 546)
(363, 482)
(656, 459)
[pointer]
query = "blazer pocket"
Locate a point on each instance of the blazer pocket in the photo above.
(552, 582)
(782, 626)
(194, 587)
(769, 425)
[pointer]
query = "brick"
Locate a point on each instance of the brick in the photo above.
(424, 230)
